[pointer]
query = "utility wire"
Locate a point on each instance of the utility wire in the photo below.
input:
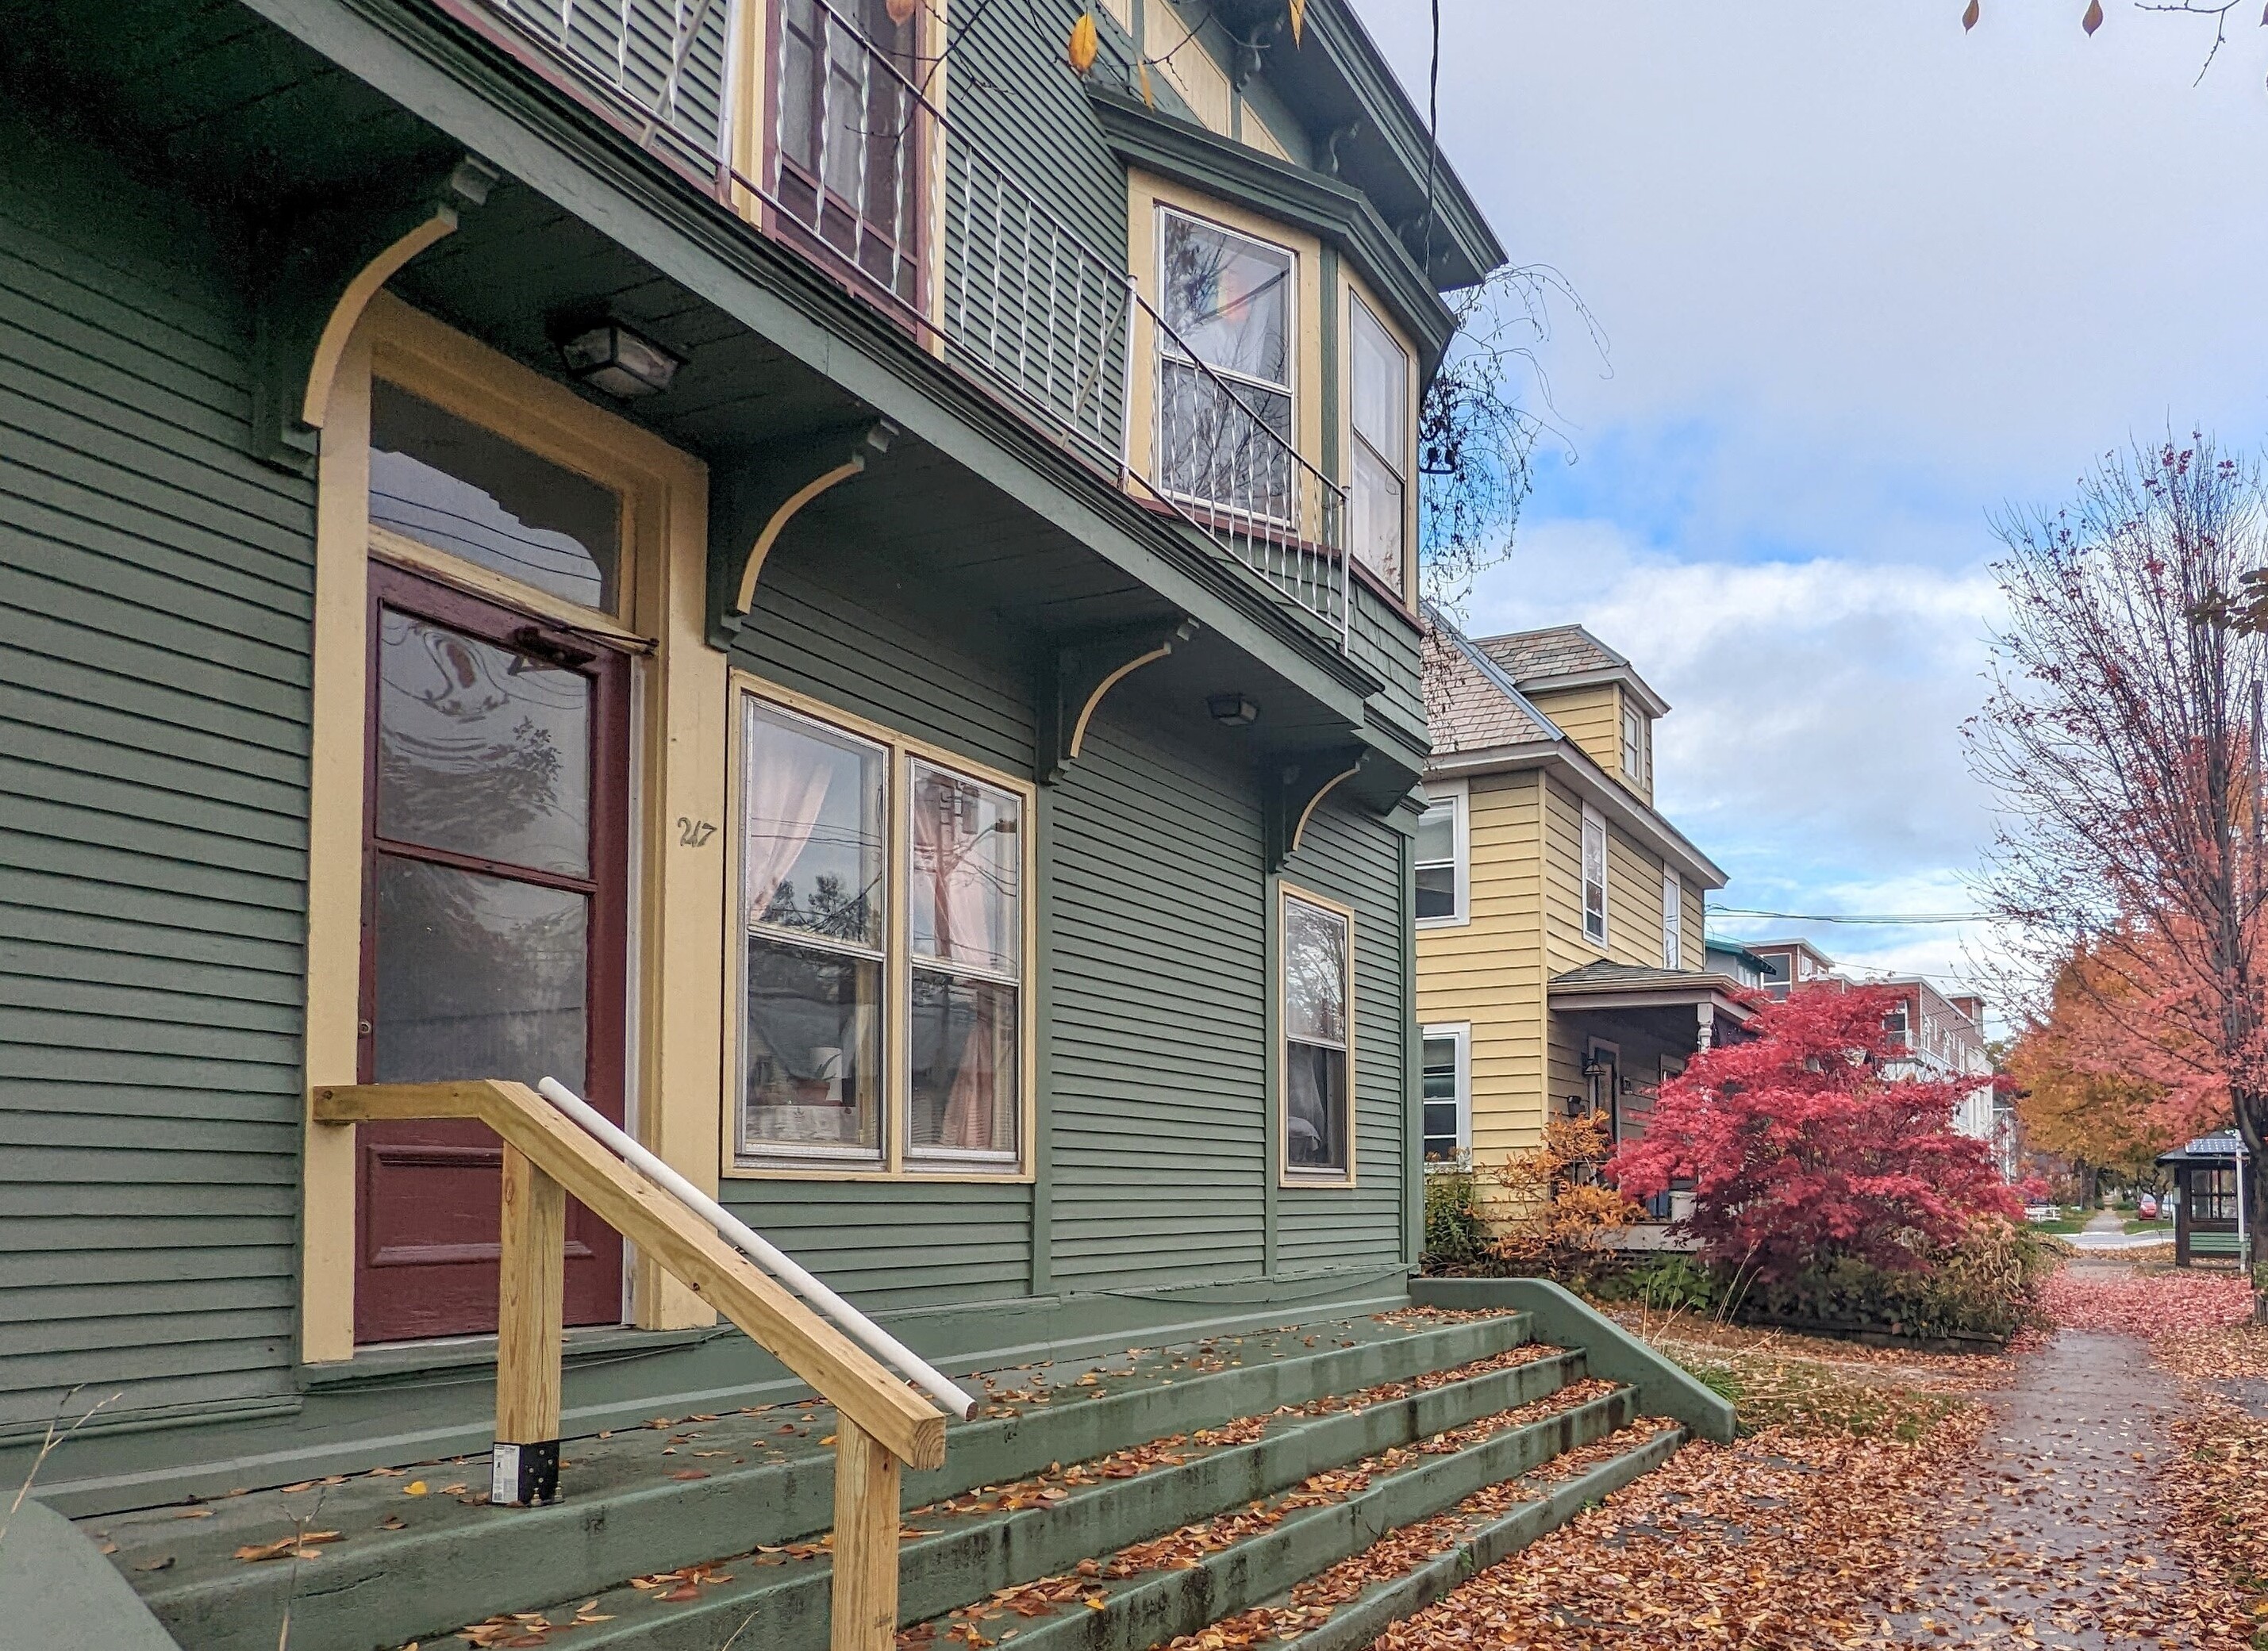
(1884, 919)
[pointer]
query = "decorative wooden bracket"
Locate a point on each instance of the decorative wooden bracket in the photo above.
(326, 268)
(751, 504)
(1077, 673)
(1294, 788)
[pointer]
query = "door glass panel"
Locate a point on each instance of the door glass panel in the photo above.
(478, 977)
(480, 751)
(447, 482)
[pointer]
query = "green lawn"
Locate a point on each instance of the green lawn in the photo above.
(2162, 1226)
(2069, 1221)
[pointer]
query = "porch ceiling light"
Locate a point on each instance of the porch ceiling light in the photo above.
(625, 364)
(1234, 710)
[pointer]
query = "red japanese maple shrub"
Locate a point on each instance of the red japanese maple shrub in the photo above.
(1803, 1153)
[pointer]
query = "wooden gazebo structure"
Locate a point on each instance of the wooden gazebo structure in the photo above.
(2205, 1218)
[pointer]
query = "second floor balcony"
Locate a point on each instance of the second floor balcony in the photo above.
(833, 134)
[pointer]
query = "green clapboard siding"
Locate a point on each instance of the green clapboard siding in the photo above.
(1159, 1045)
(154, 604)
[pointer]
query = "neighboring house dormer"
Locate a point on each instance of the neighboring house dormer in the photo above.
(1589, 689)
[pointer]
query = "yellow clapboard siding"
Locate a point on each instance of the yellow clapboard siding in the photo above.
(1591, 717)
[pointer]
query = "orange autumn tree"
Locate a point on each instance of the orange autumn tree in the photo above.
(2097, 1079)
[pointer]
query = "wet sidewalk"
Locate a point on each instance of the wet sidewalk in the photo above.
(2052, 1539)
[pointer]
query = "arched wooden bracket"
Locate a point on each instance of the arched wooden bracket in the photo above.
(1078, 671)
(1295, 785)
(324, 267)
(751, 504)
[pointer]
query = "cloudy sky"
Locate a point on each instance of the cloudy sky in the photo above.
(1865, 280)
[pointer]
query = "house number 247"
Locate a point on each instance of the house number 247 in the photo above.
(693, 833)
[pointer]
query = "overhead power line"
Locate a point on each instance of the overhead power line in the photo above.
(1851, 917)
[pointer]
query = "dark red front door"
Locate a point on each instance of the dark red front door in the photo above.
(493, 933)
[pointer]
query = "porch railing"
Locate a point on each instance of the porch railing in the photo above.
(553, 1150)
(861, 169)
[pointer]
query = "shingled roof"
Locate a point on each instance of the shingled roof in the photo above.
(1558, 650)
(1470, 703)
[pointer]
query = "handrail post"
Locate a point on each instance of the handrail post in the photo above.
(530, 1311)
(865, 1613)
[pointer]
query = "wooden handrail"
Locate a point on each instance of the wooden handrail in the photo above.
(883, 1424)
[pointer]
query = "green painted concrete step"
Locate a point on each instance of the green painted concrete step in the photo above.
(958, 1552)
(415, 1568)
(1189, 1582)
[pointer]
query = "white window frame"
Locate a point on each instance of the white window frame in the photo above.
(1673, 920)
(1164, 350)
(1459, 1032)
(1594, 831)
(1398, 464)
(1637, 752)
(1457, 794)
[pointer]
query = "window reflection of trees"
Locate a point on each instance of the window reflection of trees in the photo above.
(479, 752)
(1225, 443)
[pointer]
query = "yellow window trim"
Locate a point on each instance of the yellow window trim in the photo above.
(1285, 1176)
(676, 888)
(904, 749)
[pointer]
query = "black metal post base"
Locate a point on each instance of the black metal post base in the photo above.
(524, 1475)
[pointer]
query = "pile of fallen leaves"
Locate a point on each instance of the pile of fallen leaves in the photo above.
(1788, 1538)
(2218, 1491)
(2148, 1304)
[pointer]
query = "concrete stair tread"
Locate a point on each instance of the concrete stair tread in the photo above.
(644, 1501)
(1019, 1543)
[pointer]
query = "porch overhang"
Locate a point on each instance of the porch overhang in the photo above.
(1666, 1001)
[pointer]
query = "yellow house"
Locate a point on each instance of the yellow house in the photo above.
(1560, 965)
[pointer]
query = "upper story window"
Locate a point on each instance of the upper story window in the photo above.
(1634, 745)
(451, 484)
(846, 134)
(1225, 438)
(1595, 876)
(1440, 860)
(1894, 1025)
(1318, 1008)
(1379, 409)
(1673, 919)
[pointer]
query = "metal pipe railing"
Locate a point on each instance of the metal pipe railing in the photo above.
(767, 1255)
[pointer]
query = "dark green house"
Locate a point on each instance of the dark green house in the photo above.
(810, 570)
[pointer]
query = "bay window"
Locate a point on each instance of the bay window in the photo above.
(1224, 437)
(882, 896)
(1379, 418)
(1318, 982)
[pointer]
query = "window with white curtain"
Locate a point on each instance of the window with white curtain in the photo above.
(1595, 876)
(1673, 916)
(1224, 437)
(846, 936)
(1379, 406)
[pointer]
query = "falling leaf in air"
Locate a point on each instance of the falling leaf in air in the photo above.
(1084, 43)
(2093, 20)
(1299, 17)
(901, 12)
(1969, 17)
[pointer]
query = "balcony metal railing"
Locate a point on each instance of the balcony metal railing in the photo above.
(862, 170)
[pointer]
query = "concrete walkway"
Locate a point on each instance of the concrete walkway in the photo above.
(2051, 1541)
(2106, 1230)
